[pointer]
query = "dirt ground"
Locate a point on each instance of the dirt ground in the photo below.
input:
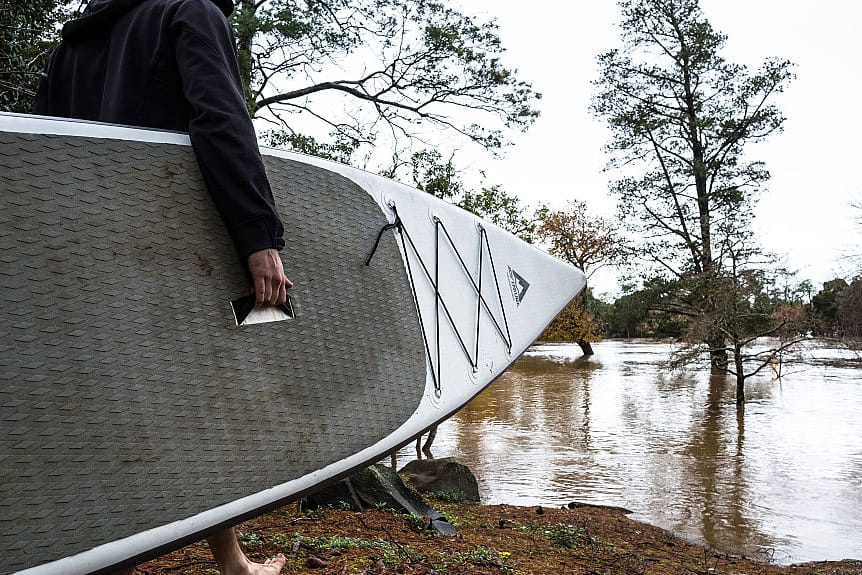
(492, 539)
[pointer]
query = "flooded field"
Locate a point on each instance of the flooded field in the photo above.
(781, 479)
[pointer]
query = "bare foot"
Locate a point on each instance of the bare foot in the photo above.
(269, 567)
(232, 561)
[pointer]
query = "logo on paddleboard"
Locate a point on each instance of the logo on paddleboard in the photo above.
(519, 286)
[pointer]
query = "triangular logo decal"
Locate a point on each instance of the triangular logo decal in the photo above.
(518, 285)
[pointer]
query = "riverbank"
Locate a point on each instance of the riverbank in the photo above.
(491, 540)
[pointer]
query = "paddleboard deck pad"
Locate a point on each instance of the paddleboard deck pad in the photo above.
(138, 416)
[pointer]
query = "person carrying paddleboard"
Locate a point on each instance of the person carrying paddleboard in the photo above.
(172, 65)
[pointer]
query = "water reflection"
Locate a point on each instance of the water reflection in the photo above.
(618, 429)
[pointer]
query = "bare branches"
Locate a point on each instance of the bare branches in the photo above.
(403, 67)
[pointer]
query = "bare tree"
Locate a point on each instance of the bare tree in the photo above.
(366, 71)
(735, 304)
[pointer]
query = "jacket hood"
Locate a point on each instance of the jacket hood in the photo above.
(100, 15)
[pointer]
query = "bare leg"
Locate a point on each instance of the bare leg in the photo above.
(232, 561)
(426, 449)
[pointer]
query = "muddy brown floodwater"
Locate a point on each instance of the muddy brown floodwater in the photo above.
(781, 480)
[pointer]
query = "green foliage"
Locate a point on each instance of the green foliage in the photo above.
(665, 308)
(566, 536)
(440, 178)
(645, 312)
(343, 543)
(850, 312)
(682, 116)
(28, 32)
(250, 539)
(495, 205)
(340, 150)
(484, 557)
(825, 307)
(418, 523)
(447, 496)
(434, 176)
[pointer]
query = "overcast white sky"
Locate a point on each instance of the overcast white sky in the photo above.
(805, 215)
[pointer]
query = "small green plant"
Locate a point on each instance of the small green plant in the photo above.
(343, 543)
(452, 496)
(280, 540)
(485, 557)
(315, 513)
(251, 539)
(391, 558)
(566, 536)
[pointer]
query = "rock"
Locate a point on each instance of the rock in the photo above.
(579, 504)
(378, 486)
(446, 475)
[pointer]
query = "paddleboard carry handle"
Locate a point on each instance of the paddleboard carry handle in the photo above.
(245, 312)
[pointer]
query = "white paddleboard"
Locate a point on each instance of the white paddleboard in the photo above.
(137, 416)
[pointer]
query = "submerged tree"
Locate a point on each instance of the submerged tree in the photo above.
(681, 118)
(578, 322)
(370, 70)
(850, 313)
(824, 308)
(589, 243)
(735, 304)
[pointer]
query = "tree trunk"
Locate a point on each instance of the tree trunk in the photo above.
(717, 355)
(586, 347)
(740, 375)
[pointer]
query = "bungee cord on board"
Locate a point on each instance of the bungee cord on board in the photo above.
(434, 281)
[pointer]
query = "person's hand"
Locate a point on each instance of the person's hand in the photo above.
(267, 275)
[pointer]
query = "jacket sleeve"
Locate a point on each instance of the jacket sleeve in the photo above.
(220, 129)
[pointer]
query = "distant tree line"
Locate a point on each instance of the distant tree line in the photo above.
(835, 311)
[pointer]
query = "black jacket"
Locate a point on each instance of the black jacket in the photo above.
(169, 64)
